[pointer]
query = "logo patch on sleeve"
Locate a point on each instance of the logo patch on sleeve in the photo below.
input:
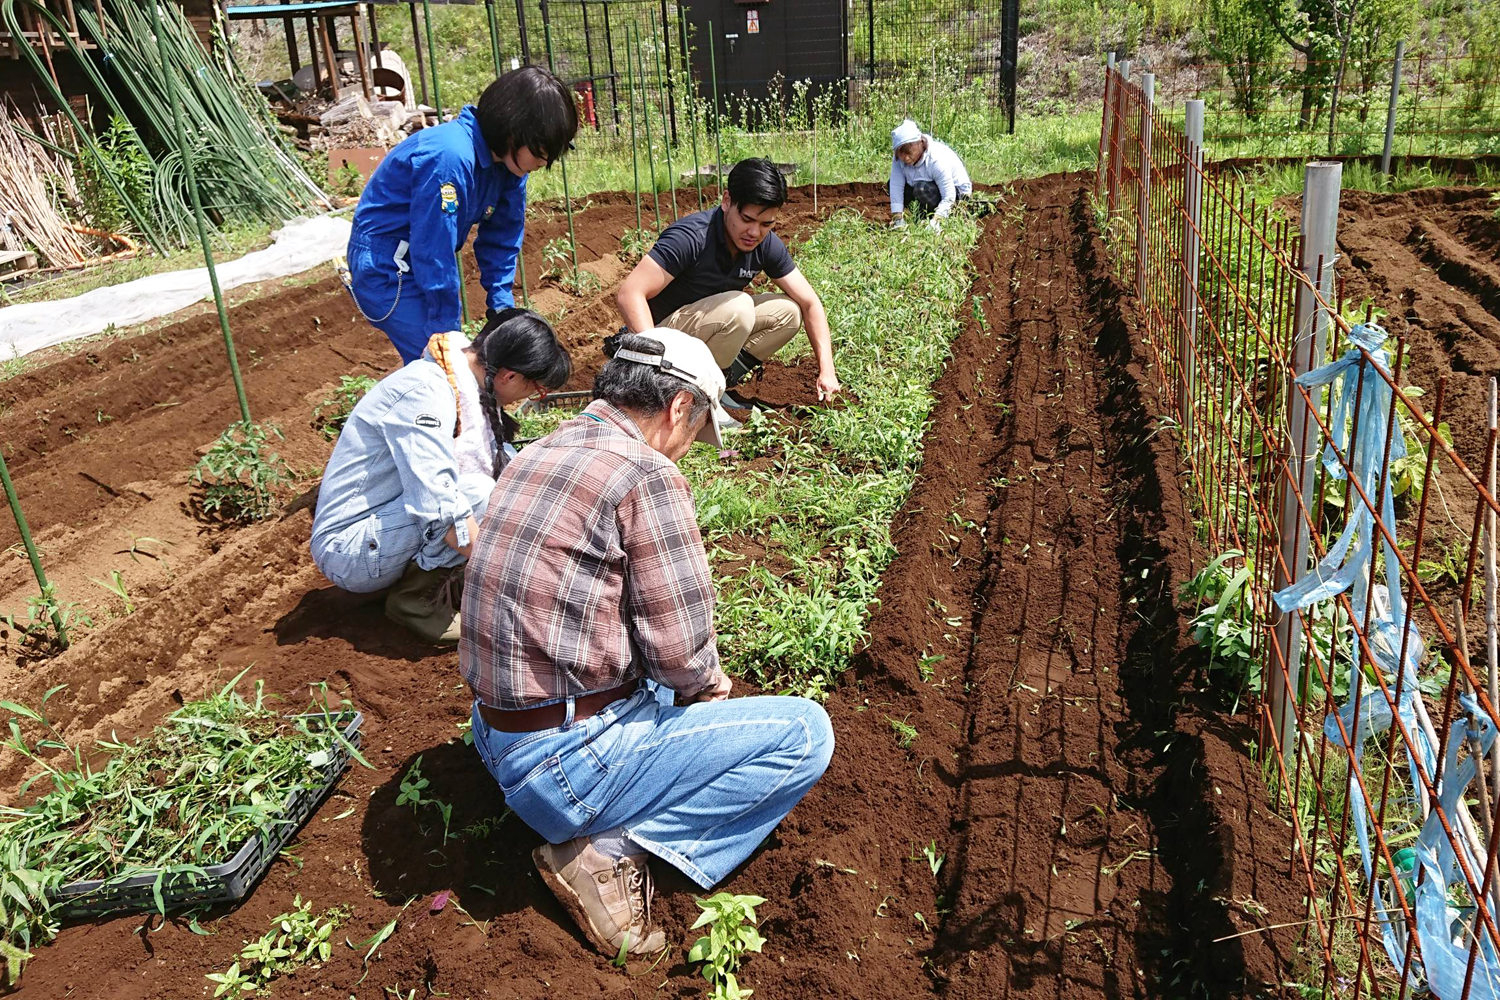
(427, 420)
(489, 210)
(450, 198)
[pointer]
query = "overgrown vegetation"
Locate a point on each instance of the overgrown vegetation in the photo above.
(239, 474)
(185, 796)
(297, 938)
(120, 155)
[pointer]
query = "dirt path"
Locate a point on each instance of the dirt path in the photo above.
(1098, 829)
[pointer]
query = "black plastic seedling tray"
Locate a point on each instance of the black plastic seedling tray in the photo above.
(227, 882)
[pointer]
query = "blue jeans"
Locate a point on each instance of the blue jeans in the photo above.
(699, 787)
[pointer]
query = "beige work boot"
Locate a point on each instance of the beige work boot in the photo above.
(609, 899)
(427, 602)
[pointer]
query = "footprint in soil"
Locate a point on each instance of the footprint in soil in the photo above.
(359, 619)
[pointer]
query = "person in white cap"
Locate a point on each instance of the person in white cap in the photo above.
(925, 174)
(588, 605)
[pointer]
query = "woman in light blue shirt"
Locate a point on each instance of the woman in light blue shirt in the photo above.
(413, 468)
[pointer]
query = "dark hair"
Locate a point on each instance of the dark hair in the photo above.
(757, 182)
(528, 108)
(523, 342)
(642, 388)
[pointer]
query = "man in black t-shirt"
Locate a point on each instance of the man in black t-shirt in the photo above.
(694, 280)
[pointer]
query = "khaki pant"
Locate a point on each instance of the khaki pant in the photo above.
(733, 321)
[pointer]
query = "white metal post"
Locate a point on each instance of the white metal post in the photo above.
(1320, 216)
(1390, 113)
(1187, 353)
(1143, 194)
(1104, 129)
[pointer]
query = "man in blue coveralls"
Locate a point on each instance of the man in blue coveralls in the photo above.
(426, 196)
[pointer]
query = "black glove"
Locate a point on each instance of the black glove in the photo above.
(612, 342)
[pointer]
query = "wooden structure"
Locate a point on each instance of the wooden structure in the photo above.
(16, 77)
(322, 19)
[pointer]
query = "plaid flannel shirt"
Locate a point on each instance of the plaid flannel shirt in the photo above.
(588, 572)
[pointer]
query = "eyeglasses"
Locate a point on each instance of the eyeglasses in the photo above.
(540, 393)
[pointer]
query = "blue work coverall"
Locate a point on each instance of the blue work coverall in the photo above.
(429, 192)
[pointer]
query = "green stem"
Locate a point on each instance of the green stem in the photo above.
(640, 69)
(713, 72)
(661, 96)
(437, 95)
(635, 156)
(567, 194)
(692, 98)
(169, 80)
(30, 546)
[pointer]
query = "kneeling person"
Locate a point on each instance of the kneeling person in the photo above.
(694, 280)
(588, 602)
(409, 479)
(925, 174)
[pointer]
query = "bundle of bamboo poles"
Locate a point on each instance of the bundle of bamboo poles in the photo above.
(33, 180)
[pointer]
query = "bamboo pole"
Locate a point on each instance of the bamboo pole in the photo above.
(437, 92)
(713, 72)
(661, 98)
(635, 157)
(1491, 646)
(32, 554)
(192, 185)
(640, 72)
(567, 194)
(691, 97)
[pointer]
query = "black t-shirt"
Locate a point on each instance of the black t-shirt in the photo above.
(695, 251)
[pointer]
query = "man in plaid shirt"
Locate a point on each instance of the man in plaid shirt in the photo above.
(588, 605)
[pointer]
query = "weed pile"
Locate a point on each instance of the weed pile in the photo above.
(186, 796)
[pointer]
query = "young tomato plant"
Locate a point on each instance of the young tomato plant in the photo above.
(329, 416)
(296, 938)
(240, 473)
(730, 920)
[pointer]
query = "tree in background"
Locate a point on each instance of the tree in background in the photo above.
(1238, 34)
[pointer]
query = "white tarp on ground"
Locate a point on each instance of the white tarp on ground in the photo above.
(302, 244)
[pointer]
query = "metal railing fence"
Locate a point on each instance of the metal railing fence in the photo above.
(1298, 428)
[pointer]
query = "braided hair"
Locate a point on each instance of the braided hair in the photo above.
(520, 341)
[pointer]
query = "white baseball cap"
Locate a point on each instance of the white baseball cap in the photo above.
(688, 358)
(906, 132)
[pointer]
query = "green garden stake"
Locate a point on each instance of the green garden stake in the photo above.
(463, 298)
(437, 95)
(661, 96)
(713, 73)
(31, 552)
(635, 158)
(567, 194)
(687, 67)
(489, 15)
(192, 186)
(640, 71)
(521, 270)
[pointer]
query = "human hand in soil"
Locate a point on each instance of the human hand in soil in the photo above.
(718, 690)
(828, 385)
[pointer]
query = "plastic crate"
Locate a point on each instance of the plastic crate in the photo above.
(227, 882)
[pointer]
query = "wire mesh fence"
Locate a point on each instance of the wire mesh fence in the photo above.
(1447, 102)
(1320, 480)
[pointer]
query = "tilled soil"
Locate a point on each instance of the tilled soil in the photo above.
(1100, 831)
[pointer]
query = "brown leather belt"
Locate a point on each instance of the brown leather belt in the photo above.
(531, 720)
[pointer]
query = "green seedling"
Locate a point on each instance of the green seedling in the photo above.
(730, 920)
(136, 550)
(557, 258)
(296, 938)
(39, 632)
(411, 794)
(239, 474)
(330, 415)
(934, 859)
(579, 282)
(906, 733)
(634, 243)
(116, 586)
(926, 663)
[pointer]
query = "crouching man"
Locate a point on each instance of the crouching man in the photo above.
(588, 603)
(694, 279)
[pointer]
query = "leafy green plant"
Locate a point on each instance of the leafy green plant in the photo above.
(347, 181)
(296, 938)
(412, 786)
(48, 622)
(634, 243)
(934, 859)
(579, 282)
(906, 733)
(239, 474)
(732, 935)
(119, 154)
(330, 415)
(116, 586)
(185, 796)
(1224, 625)
(557, 258)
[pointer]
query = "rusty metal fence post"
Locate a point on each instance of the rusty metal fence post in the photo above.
(1143, 190)
(1192, 190)
(1320, 214)
(1104, 129)
(1122, 71)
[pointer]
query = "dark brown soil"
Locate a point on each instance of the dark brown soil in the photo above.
(1099, 828)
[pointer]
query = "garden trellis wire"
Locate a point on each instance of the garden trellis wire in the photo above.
(1374, 718)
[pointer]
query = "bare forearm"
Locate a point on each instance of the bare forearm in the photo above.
(452, 537)
(634, 310)
(818, 335)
